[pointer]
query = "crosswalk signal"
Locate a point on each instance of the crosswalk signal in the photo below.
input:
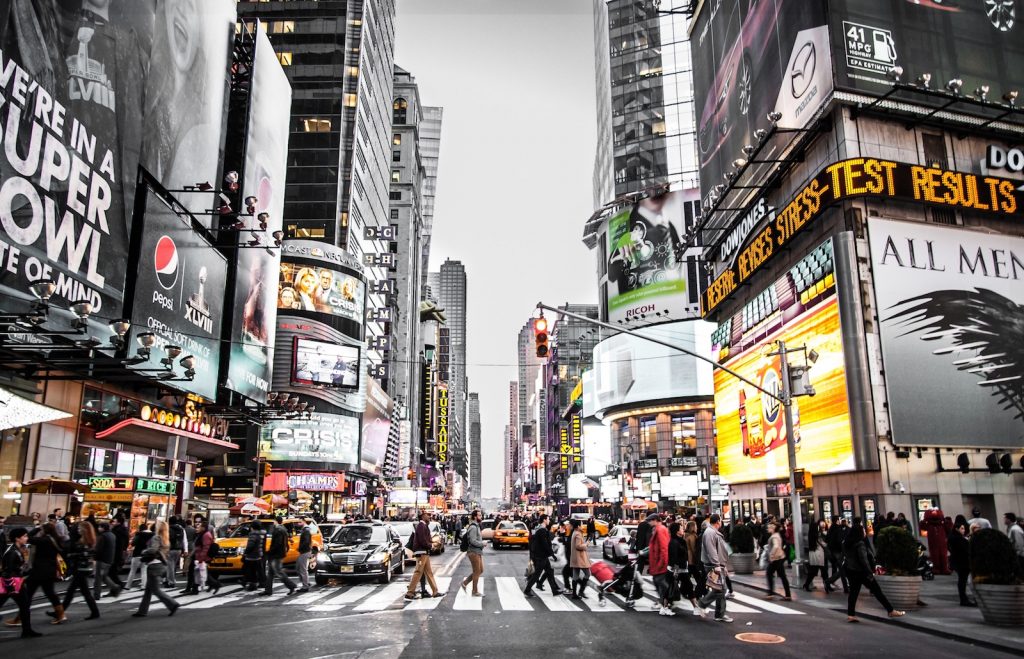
(266, 470)
(540, 336)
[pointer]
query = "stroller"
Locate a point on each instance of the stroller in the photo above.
(622, 580)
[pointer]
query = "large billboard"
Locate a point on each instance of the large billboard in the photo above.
(376, 427)
(980, 42)
(646, 268)
(749, 59)
(266, 160)
(72, 125)
(330, 440)
(320, 289)
(950, 305)
(802, 309)
(179, 296)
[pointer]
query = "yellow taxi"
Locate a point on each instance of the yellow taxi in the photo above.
(600, 525)
(510, 534)
(233, 546)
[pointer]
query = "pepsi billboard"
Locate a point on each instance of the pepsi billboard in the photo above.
(178, 297)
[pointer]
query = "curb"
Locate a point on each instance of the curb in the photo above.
(900, 622)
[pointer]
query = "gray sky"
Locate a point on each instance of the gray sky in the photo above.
(516, 80)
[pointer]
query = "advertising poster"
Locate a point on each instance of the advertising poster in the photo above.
(326, 439)
(186, 95)
(951, 309)
(376, 427)
(646, 268)
(71, 122)
(252, 335)
(335, 362)
(326, 364)
(179, 296)
(749, 59)
(940, 38)
(801, 309)
(320, 289)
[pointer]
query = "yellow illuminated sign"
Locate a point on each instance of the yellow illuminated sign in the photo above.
(564, 448)
(442, 424)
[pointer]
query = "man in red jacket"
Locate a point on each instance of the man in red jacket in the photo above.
(657, 563)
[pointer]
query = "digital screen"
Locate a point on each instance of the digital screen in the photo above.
(317, 362)
(320, 289)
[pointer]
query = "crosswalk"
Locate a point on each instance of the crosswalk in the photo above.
(500, 593)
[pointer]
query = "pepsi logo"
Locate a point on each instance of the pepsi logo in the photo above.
(165, 260)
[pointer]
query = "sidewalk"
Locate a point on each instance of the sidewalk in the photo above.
(942, 617)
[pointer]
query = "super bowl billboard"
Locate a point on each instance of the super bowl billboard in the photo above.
(951, 309)
(749, 59)
(252, 334)
(802, 309)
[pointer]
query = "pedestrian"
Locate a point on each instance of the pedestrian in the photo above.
(564, 536)
(252, 556)
(904, 523)
(715, 559)
(579, 560)
(121, 537)
(305, 551)
(421, 543)
(12, 571)
(776, 561)
(860, 570)
(475, 552)
(179, 542)
(541, 554)
(640, 540)
(978, 519)
(834, 540)
(693, 547)
(1016, 535)
(155, 557)
(817, 549)
(960, 558)
(679, 563)
(58, 523)
(592, 530)
(138, 544)
(658, 565)
(457, 530)
(42, 573)
(106, 545)
(275, 559)
(201, 558)
(81, 558)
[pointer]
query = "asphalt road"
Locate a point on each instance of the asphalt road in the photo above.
(364, 619)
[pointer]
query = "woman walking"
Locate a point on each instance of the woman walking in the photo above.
(860, 570)
(156, 558)
(80, 554)
(12, 567)
(777, 565)
(960, 558)
(817, 549)
(43, 573)
(679, 562)
(579, 560)
(204, 540)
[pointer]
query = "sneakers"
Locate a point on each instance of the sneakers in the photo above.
(723, 619)
(411, 596)
(730, 595)
(665, 611)
(699, 611)
(655, 606)
(897, 614)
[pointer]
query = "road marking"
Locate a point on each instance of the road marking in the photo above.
(766, 605)
(385, 598)
(347, 596)
(555, 602)
(464, 601)
(449, 567)
(512, 599)
(306, 598)
(431, 603)
(211, 602)
(595, 605)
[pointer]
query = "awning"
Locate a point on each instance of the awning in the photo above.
(154, 435)
(16, 411)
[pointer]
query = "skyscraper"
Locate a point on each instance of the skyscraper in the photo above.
(451, 296)
(473, 414)
(430, 151)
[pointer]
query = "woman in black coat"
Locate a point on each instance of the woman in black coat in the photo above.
(80, 555)
(43, 573)
(678, 562)
(960, 558)
(860, 569)
(12, 566)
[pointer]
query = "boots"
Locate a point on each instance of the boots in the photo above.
(58, 615)
(14, 622)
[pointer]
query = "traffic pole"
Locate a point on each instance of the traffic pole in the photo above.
(794, 495)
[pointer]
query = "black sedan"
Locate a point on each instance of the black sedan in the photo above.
(361, 550)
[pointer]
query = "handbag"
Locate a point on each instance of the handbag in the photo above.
(10, 585)
(715, 581)
(530, 569)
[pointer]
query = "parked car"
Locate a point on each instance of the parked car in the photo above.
(599, 524)
(404, 531)
(361, 550)
(511, 534)
(487, 529)
(616, 545)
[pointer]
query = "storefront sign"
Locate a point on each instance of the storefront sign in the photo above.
(648, 463)
(111, 484)
(330, 482)
(860, 177)
(442, 425)
(110, 497)
(996, 157)
(576, 437)
(687, 461)
(151, 486)
(190, 418)
(564, 448)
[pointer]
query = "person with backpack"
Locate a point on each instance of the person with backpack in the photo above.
(206, 550)
(420, 546)
(252, 557)
(275, 559)
(473, 545)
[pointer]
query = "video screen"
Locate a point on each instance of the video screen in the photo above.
(308, 288)
(326, 364)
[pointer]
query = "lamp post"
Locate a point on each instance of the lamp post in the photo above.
(794, 496)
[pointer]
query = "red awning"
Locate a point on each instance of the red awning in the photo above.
(154, 435)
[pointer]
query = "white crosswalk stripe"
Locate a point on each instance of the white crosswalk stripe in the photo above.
(511, 597)
(385, 598)
(767, 606)
(431, 603)
(353, 594)
(556, 602)
(464, 600)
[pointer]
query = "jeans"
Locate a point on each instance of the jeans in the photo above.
(136, 566)
(961, 584)
(154, 586)
(858, 579)
(685, 585)
(24, 610)
(838, 570)
(716, 596)
(663, 584)
(275, 568)
(80, 582)
(302, 567)
(172, 567)
(778, 568)
(423, 570)
(477, 563)
(102, 576)
(542, 570)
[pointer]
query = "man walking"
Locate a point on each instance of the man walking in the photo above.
(305, 549)
(657, 564)
(834, 539)
(120, 531)
(421, 542)
(106, 544)
(275, 559)
(178, 543)
(592, 530)
(541, 553)
(715, 557)
(475, 552)
(1016, 535)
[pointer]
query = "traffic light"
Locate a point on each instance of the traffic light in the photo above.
(266, 470)
(540, 336)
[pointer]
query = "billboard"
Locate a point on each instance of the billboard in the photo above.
(950, 305)
(326, 364)
(376, 427)
(72, 125)
(749, 59)
(252, 334)
(802, 309)
(631, 370)
(179, 295)
(443, 411)
(328, 439)
(981, 43)
(645, 263)
(320, 289)
(186, 95)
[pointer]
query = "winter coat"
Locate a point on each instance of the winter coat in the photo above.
(579, 558)
(278, 543)
(106, 545)
(203, 543)
(540, 545)
(859, 557)
(657, 559)
(713, 550)
(255, 545)
(775, 550)
(959, 552)
(422, 540)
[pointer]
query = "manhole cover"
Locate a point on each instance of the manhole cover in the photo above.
(755, 637)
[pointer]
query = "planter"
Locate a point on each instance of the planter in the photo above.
(902, 592)
(1000, 605)
(742, 563)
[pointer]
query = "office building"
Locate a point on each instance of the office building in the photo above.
(473, 415)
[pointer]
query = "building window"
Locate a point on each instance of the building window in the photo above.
(396, 175)
(649, 437)
(394, 213)
(350, 100)
(353, 71)
(396, 156)
(284, 58)
(395, 195)
(316, 125)
(400, 110)
(282, 27)
(684, 436)
(397, 140)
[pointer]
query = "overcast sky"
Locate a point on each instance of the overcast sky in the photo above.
(516, 80)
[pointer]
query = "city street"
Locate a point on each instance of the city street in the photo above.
(370, 620)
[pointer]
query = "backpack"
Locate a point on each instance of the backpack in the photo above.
(214, 551)
(464, 542)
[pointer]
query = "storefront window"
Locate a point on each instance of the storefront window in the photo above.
(649, 437)
(684, 436)
(13, 444)
(624, 442)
